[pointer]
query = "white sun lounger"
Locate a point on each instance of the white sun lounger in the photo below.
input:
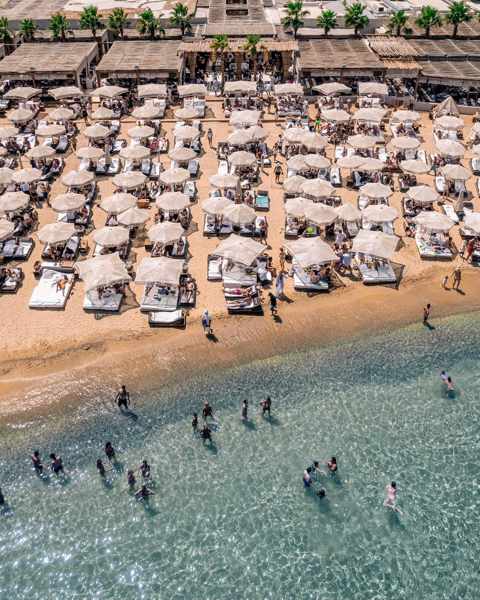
(174, 318)
(301, 281)
(46, 294)
(450, 212)
(17, 251)
(440, 184)
(214, 272)
(427, 250)
(153, 301)
(385, 274)
(109, 302)
(475, 164)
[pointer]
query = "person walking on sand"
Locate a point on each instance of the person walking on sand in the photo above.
(281, 259)
(445, 282)
(210, 137)
(280, 284)
(468, 250)
(123, 398)
(426, 313)
(207, 323)
(277, 171)
(273, 304)
(457, 278)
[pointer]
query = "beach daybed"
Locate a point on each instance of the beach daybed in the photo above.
(303, 281)
(159, 297)
(262, 200)
(311, 262)
(176, 318)
(211, 226)
(373, 251)
(17, 249)
(431, 235)
(107, 299)
(12, 281)
(53, 289)
(105, 277)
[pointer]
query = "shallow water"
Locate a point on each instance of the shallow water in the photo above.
(233, 521)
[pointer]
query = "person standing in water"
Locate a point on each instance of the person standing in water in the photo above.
(56, 464)
(143, 493)
(2, 498)
(266, 406)
(110, 452)
(37, 462)
(206, 434)
(244, 412)
(207, 411)
(101, 468)
(145, 470)
(195, 423)
(131, 480)
(123, 398)
(332, 465)
(426, 313)
(391, 499)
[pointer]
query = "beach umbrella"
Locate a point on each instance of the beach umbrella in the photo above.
(404, 143)
(320, 214)
(129, 180)
(186, 133)
(242, 159)
(313, 142)
(102, 270)
(174, 176)
(159, 269)
(348, 213)
(240, 137)
(310, 251)
(61, 114)
(376, 190)
(316, 161)
(13, 201)
(297, 163)
(40, 152)
(336, 115)
(174, 201)
(102, 114)
(8, 131)
(56, 233)
(433, 221)
(6, 229)
(245, 118)
(152, 90)
(375, 243)
(293, 185)
(22, 93)
(20, 115)
(96, 132)
(354, 161)
(475, 149)
(27, 175)
(257, 133)
(6, 175)
(471, 221)
(317, 188)
(414, 166)
(118, 203)
(111, 237)
(224, 181)
(423, 194)
(450, 148)
(148, 111)
(370, 165)
(186, 114)
(449, 122)
(361, 141)
(239, 249)
(380, 213)
(296, 206)
(135, 152)
(215, 205)
(133, 216)
(182, 154)
(332, 88)
(141, 132)
(77, 178)
(109, 91)
(294, 135)
(51, 130)
(240, 87)
(370, 115)
(166, 232)
(90, 153)
(68, 202)
(64, 92)
(288, 89)
(372, 88)
(239, 214)
(455, 172)
(405, 116)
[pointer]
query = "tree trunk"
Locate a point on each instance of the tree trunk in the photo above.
(427, 31)
(455, 29)
(356, 31)
(222, 80)
(255, 67)
(398, 30)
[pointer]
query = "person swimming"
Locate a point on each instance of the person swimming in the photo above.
(56, 464)
(307, 478)
(145, 470)
(100, 468)
(131, 479)
(332, 465)
(109, 451)
(143, 493)
(37, 462)
(444, 376)
(450, 387)
(391, 499)
(316, 468)
(322, 492)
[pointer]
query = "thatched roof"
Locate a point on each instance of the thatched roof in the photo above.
(391, 47)
(239, 28)
(454, 72)
(438, 49)
(237, 45)
(144, 56)
(338, 55)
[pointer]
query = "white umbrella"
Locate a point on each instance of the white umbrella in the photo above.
(450, 148)
(68, 202)
(56, 233)
(433, 221)
(348, 213)
(166, 232)
(405, 116)
(372, 88)
(317, 188)
(102, 114)
(186, 133)
(224, 181)
(118, 203)
(370, 165)
(404, 143)
(148, 111)
(174, 201)
(77, 178)
(239, 214)
(182, 154)
(422, 194)
(22, 93)
(6, 229)
(102, 270)
(354, 161)
(375, 243)
(129, 180)
(51, 130)
(133, 216)
(332, 88)
(239, 249)
(336, 115)
(186, 114)
(245, 118)
(174, 176)
(13, 201)
(294, 135)
(20, 115)
(215, 205)
(380, 213)
(8, 131)
(370, 115)
(293, 185)
(316, 161)
(449, 122)
(455, 172)
(472, 222)
(152, 90)
(415, 166)
(111, 237)
(64, 92)
(96, 132)
(159, 270)
(376, 190)
(6, 175)
(27, 175)
(109, 91)
(296, 207)
(90, 153)
(313, 142)
(140, 132)
(320, 214)
(61, 114)
(361, 141)
(297, 163)
(40, 152)
(242, 159)
(135, 152)
(310, 251)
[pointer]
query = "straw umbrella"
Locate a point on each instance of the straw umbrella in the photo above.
(6, 176)
(297, 163)
(376, 190)
(320, 214)
(152, 90)
(13, 201)
(27, 176)
(146, 112)
(296, 207)
(129, 180)
(294, 135)
(68, 202)
(240, 137)
(423, 194)
(186, 133)
(293, 185)
(22, 93)
(450, 148)
(174, 176)
(38, 152)
(317, 188)
(239, 214)
(186, 114)
(310, 251)
(133, 216)
(215, 205)
(56, 233)
(118, 203)
(166, 232)
(348, 213)
(6, 229)
(96, 132)
(90, 153)
(404, 143)
(455, 172)
(111, 237)
(52, 130)
(174, 201)
(8, 131)
(380, 213)
(336, 115)
(224, 181)
(316, 161)
(77, 178)
(449, 122)
(102, 270)
(20, 115)
(159, 269)
(135, 152)
(361, 141)
(182, 154)
(242, 159)
(313, 142)
(141, 132)
(102, 114)
(414, 166)
(109, 91)
(354, 161)
(433, 221)
(61, 114)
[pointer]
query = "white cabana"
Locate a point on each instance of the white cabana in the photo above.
(159, 270)
(239, 249)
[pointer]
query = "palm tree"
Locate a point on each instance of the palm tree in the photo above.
(27, 30)
(149, 24)
(398, 22)
(117, 20)
(429, 17)
(6, 35)
(327, 20)
(180, 18)
(294, 18)
(59, 26)
(355, 17)
(458, 13)
(252, 48)
(90, 19)
(219, 45)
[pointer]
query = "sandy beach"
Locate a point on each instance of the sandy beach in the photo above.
(35, 344)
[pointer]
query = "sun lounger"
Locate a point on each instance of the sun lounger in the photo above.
(302, 282)
(440, 184)
(187, 297)
(146, 166)
(47, 294)
(190, 190)
(210, 230)
(17, 249)
(223, 167)
(245, 305)
(450, 212)
(109, 301)
(214, 271)
(155, 170)
(159, 298)
(475, 164)
(335, 177)
(193, 167)
(62, 145)
(174, 318)
(71, 249)
(237, 292)
(388, 228)
(12, 282)
(384, 273)
(238, 277)
(428, 250)
(352, 228)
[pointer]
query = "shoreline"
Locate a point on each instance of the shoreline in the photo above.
(175, 354)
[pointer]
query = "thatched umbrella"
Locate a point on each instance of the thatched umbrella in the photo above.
(313, 142)
(336, 115)
(174, 201)
(350, 162)
(380, 213)
(96, 132)
(433, 221)
(27, 175)
(159, 269)
(186, 114)
(6, 175)
(375, 243)
(370, 115)
(239, 249)
(450, 148)
(239, 214)
(361, 141)
(118, 203)
(90, 153)
(224, 181)
(405, 116)
(293, 185)
(348, 213)
(102, 270)
(56, 233)
(40, 152)
(166, 232)
(77, 178)
(20, 115)
(320, 214)
(332, 88)
(404, 143)
(52, 130)
(242, 159)
(310, 251)
(135, 152)
(111, 237)
(297, 163)
(245, 118)
(152, 90)
(455, 173)
(129, 180)
(65, 92)
(414, 166)
(68, 202)
(174, 176)
(134, 216)
(296, 207)
(182, 154)
(423, 194)
(8, 131)
(13, 201)
(294, 135)
(109, 91)
(316, 161)
(449, 122)
(472, 222)
(371, 165)
(141, 132)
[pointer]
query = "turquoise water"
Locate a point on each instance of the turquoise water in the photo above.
(234, 521)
